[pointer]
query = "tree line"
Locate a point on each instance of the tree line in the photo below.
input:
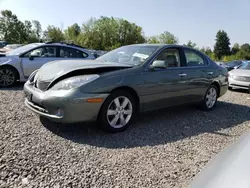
(107, 33)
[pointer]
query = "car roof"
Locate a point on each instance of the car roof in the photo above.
(164, 45)
(64, 45)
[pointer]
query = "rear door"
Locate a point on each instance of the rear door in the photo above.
(36, 58)
(71, 53)
(197, 76)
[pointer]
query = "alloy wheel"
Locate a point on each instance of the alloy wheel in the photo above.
(211, 97)
(7, 77)
(119, 112)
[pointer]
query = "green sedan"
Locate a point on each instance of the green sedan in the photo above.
(116, 86)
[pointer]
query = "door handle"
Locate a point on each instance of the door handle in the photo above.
(182, 74)
(210, 73)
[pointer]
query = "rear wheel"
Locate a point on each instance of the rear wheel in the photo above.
(8, 76)
(210, 98)
(117, 111)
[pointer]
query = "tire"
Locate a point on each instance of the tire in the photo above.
(8, 76)
(212, 96)
(116, 111)
(230, 88)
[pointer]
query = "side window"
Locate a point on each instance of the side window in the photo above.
(49, 51)
(71, 53)
(193, 59)
(170, 57)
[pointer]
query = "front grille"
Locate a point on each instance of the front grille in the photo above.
(37, 107)
(42, 85)
(242, 78)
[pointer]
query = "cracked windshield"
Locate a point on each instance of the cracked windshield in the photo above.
(124, 94)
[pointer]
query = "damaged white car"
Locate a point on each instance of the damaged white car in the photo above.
(18, 64)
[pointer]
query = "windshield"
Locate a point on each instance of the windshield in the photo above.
(135, 55)
(234, 63)
(22, 49)
(245, 65)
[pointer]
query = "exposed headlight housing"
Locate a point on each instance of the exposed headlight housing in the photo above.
(74, 82)
(32, 76)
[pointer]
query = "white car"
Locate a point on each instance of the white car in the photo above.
(9, 47)
(240, 77)
(18, 64)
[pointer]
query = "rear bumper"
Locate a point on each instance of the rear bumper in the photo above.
(238, 84)
(62, 106)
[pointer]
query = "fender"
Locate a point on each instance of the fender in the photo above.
(14, 62)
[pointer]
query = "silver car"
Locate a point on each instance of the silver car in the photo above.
(229, 169)
(240, 77)
(18, 64)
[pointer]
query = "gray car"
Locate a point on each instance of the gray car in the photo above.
(116, 86)
(240, 78)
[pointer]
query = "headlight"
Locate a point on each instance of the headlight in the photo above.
(74, 82)
(229, 75)
(32, 76)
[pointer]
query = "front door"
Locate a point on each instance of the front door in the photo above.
(36, 58)
(163, 84)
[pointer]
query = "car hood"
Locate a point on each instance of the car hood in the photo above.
(56, 69)
(240, 72)
(229, 169)
(5, 59)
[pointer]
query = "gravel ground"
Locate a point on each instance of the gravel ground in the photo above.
(162, 149)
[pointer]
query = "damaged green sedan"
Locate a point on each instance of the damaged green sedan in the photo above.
(116, 86)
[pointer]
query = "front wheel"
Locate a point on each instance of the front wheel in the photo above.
(8, 76)
(210, 98)
(117, 111)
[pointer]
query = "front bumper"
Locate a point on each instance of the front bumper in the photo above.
(223, 89)
(238, 84)
(69, 106)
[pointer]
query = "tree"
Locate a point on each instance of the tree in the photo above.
(72, 32)
(221, 47)
(11, 29)
(31, 36)
(245, 47)
(53, 34)
(206, 50)
(235, 49)
(164, 38)
(153, 40)
(37, 28)
(191, 44)
(168, 38)
(108, 33)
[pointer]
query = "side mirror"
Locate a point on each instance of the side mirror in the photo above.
(31, 57)
(158, 64)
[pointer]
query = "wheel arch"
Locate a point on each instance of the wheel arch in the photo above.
(217, 84)
(132, 91)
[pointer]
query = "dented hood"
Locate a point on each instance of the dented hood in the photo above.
(56, 69)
